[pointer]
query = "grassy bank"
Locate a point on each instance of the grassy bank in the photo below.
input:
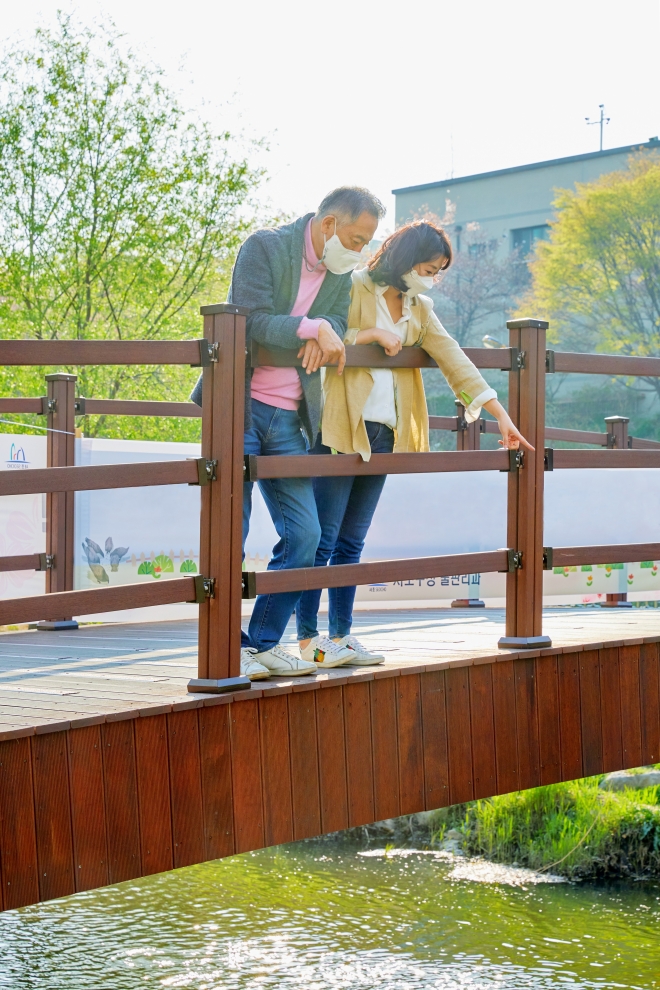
(575, 828)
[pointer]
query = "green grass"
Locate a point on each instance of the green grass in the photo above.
(575, 829)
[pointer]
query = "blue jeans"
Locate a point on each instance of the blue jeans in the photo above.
(346, 507)
(292, 508)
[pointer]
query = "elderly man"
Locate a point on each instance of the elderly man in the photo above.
(296, 282)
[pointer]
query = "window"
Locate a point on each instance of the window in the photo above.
(524, 238)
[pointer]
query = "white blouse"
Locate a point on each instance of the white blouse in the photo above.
(380, 407)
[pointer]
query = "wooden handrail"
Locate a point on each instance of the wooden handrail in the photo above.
(34, 405)
(617, 553)
(606, 364)
(23, 562)
(373, 356)
(89, 478)
(346, 465)
(91, 600)
(135, 407)
(374, 572)
(95, 352)
(629, 458)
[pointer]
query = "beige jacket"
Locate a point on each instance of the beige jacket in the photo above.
(345, 395)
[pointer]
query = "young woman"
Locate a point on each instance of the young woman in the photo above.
(380, 410)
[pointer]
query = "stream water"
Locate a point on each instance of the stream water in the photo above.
(318, 915)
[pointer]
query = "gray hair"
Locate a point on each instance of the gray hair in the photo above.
(348, 202)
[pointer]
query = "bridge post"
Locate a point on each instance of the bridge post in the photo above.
(524, 582)
(223, 402)
(60, 412)
(617, 438)
(468, 437)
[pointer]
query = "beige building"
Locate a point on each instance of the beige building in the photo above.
(513, 206)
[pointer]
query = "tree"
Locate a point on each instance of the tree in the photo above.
(597, 279)
(119, 212)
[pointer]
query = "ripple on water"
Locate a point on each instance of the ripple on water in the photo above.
(325, 915)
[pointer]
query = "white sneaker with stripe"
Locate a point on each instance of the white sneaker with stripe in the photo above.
(324, 653)
(361, 656)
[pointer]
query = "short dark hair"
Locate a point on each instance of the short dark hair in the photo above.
(409, 246)
(348, 202)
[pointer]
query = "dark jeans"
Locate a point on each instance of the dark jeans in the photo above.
(345, 509)
(292, 508)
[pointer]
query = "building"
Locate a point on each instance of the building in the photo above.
(513, 206)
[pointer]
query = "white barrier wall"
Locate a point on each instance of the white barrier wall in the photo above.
(152, 534)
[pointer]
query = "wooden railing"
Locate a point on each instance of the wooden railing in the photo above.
(222, 470)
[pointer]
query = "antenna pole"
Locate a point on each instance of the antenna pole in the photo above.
(601, 121)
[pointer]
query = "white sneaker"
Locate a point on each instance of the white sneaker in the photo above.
(250, 667)
(324, 653)
(279, 662)
(361, 656)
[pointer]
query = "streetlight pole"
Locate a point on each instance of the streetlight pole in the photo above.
(601, 121)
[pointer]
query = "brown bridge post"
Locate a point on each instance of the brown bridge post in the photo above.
(468, 437)
(524, 582)
(223, 403)
(617, 438)
(59, 407)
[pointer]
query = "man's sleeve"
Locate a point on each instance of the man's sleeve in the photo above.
(338, 315)
(252, 285)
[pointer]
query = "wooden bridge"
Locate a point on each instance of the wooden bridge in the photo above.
(116, 761)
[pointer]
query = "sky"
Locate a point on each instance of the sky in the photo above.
(388, 94)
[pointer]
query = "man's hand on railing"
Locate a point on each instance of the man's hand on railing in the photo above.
(327, 349)
(511, 437)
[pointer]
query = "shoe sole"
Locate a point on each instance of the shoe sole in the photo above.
(359, 662)
(333, 663)
(257, 677)
(290, 673)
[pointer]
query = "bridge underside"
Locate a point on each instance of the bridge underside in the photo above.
(110, 771)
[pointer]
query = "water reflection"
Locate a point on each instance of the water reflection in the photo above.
(319, 915)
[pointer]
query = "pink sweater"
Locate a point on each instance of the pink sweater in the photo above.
(281, 387)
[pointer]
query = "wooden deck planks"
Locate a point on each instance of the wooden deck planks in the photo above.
(141, 793)
(90, 849)
(121, 801)
(276, 770)
(303, 739)
(52, 815)
(18, 856)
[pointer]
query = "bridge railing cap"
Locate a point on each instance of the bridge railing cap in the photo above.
(224, 308)
(526, 321)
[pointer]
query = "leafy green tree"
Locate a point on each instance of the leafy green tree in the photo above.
(597, 279)
(119, 212)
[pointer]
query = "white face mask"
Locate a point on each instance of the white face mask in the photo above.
(418, 283)
(338, 259)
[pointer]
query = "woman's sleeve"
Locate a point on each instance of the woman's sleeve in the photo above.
(463, 378)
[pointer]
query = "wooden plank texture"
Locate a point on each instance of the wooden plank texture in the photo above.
(359, 758)
(52, 815)
(547, 696)
(631, 730)
(18, 854)
(276, 770)
(246, 776)
(305, 796)
(186, 787)
(332, 759)
(649, 676)
(610, 708)
(590, 711)
(96, 477)
(153, 782)
(385, 751)
(504, 708)
(436, 756)
(482, 731)
(459, 742)
(215, 753)
(411, 746)
(121, 801)
(90, 851)
(527, 723)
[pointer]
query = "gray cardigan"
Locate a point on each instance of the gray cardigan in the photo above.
(266, 279)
